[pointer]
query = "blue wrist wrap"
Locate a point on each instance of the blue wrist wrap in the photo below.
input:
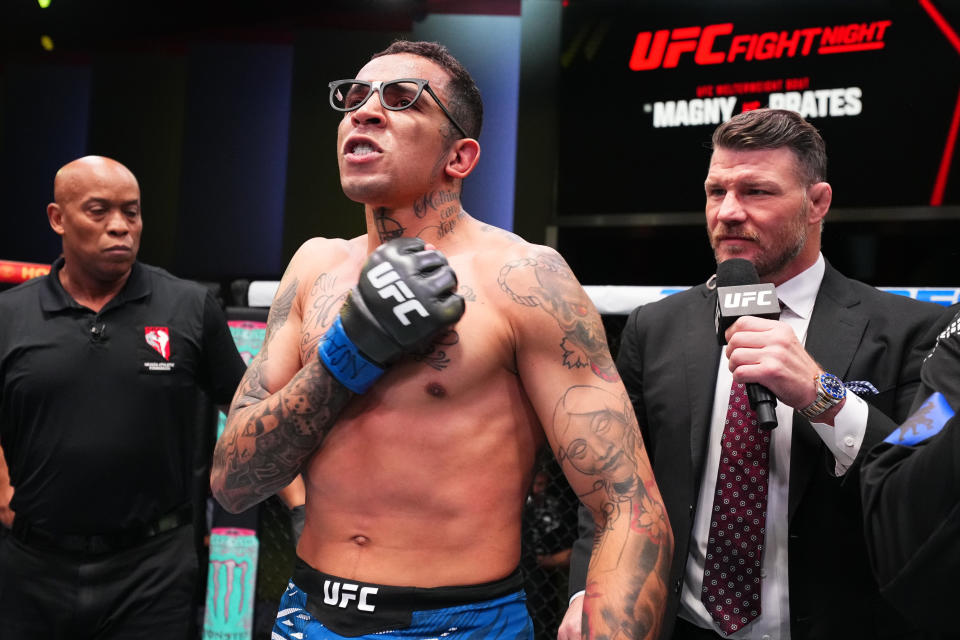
(345, 361)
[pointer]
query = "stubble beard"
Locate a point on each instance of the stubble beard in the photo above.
(779, 252)
(376, 190)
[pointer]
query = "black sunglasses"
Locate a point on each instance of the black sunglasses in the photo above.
(395, 95)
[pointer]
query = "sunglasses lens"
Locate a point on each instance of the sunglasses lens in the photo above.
(399, 95)
(348, 95)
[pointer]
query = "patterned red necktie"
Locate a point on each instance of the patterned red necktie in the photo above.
(731, 573)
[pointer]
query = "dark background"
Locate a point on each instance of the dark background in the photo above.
(220, 108)
(221, 111)
(887, 156)
(637, 190)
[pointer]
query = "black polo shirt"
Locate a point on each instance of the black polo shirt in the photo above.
(98, 411)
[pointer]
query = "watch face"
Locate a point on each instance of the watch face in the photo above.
(833, 386)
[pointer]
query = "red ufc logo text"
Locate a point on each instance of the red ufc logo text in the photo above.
(664, 48)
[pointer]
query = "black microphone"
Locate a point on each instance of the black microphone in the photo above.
(739, 294)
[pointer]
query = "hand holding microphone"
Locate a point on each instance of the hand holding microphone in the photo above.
(739, 294)
(762, 349)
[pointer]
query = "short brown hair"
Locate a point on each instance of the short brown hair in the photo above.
(773, 129)
(466, 105)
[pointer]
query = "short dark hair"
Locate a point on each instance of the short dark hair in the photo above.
(773, 129)
(463, 96)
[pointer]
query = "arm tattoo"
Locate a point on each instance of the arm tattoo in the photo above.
(269, 436)
(265, 444)
(280, 309)
(326, 302)
(597, 437)
(252, 387)
(548, 283)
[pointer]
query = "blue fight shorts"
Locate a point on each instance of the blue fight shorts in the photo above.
(316, 605)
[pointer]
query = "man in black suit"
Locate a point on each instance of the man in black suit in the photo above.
(911, 496)
(766, 199)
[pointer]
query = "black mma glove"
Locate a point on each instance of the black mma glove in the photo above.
(405, 297)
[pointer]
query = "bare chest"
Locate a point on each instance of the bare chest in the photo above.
(478, 350)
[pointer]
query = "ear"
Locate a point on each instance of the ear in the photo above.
(819, 195)
(463, 158)
(55, 216)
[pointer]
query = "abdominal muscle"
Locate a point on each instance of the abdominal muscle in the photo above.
(422, 480)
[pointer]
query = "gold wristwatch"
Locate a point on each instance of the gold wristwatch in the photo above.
(830, 391)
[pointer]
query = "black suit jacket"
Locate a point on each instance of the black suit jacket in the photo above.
(911, 497)
(668, 359)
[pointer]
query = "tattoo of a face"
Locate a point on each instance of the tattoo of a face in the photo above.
(387, 228)
(597, 436)
(548, 283)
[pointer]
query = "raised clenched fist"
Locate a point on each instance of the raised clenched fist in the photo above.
(405, 297)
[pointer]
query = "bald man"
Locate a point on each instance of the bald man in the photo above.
(101, 367)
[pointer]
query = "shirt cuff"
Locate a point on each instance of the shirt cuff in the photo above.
(575, 596)
(846, 435)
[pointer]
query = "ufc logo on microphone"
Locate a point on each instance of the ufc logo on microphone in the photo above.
(746, 299)
(388, 284)
(340, 594)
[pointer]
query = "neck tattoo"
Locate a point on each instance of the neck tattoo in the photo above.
(387, 228)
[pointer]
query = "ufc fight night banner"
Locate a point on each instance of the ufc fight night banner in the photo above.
(643, 85)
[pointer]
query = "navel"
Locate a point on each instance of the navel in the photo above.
(361, 541)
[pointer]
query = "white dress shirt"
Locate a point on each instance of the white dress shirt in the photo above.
(844, 439)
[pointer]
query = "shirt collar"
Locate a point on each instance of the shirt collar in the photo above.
(53, 297)
(799, 293)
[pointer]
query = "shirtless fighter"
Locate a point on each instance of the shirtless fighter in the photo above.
(412, 373)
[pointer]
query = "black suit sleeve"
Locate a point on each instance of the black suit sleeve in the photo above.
(912, 525)
(911, 498)
(630, 367)
(582, 548)
(891, 406)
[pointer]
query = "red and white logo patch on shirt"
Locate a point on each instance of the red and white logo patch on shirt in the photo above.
(159, 339)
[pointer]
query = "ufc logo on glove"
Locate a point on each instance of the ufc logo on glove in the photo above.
(388, 284)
